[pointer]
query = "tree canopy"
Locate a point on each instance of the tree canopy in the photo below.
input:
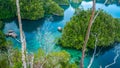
(54, 60)
(52, 7)
(7, 9)
(30, 9)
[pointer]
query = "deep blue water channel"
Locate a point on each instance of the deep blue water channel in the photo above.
(43, 34)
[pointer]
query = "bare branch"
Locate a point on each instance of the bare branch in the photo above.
(115, 59)
(92, 59)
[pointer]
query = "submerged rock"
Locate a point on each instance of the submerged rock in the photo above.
(11, 33)
(59, 29)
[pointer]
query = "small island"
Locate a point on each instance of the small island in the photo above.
(105, 28)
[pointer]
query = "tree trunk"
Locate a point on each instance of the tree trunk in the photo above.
(87, 36)
(22, 36)
(32, 61)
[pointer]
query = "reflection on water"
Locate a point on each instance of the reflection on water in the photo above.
(55, 18)
(30, 26)
(75, 5)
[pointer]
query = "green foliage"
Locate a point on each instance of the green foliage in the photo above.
(3, 60)
(53, 60)
(7, 9)
(1, 25)
(16, 59)
(36, 9)
(62, 2)
(10, 59)
(30, 9)
(105, 27)
(3, 41)
(53, 8)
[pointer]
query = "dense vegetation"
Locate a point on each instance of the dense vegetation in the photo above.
(105, 27)
(36, 9)
(32, 9)
(52, 7)
(1, 25)
(12, 59)
(7, 9)
(3, 41)
(54, 60)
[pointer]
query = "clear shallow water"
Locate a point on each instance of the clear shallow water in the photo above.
(43, 33)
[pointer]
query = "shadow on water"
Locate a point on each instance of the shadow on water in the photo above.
(30, 26)
(75, 5)
(57, 18)
(64, 6)
(8, 20)
(53, 18)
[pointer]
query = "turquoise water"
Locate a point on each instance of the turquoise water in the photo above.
(43, 34)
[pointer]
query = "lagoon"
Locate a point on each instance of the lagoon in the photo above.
(43, 33)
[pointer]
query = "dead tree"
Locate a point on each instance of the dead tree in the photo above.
(22, 36)
(87, 35)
